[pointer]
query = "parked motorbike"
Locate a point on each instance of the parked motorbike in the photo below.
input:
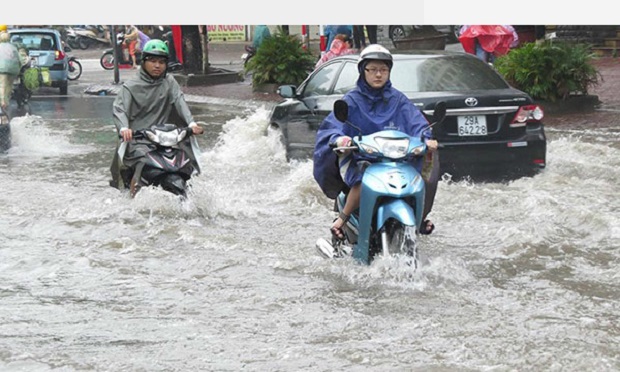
(250, 51)
(393, 195)
(122, 51)
(71, 38)
(168, 165)
(83, 38)
(75, 68)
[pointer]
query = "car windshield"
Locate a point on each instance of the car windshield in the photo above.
(34, 41)
(444, 75)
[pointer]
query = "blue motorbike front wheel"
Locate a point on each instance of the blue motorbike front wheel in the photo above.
(399, 239)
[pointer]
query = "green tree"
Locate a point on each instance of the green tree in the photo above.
(281, 59)
(550, 71)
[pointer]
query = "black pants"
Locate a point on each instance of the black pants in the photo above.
(372, 34)
(359, 40)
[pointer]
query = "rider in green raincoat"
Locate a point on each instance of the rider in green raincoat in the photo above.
(152, 98)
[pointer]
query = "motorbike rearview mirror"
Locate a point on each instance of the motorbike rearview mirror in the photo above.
(341, 110)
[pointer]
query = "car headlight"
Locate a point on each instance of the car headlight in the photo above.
(394, 148)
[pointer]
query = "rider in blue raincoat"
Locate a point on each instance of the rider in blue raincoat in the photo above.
(374, 105)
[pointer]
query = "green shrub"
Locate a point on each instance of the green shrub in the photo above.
(550, 71)
(281, 59)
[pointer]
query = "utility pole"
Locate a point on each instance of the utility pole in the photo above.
(117, 77)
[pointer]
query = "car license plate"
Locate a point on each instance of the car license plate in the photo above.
(472, 125)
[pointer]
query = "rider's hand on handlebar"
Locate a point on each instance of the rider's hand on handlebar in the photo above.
(343, 141)
(196, 129)
(431, 144)
(127, 134)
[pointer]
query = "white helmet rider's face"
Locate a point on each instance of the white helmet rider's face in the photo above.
(376, 74)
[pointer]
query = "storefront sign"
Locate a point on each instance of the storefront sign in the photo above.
(226, 33)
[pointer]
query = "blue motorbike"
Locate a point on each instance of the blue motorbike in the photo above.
(392, 196)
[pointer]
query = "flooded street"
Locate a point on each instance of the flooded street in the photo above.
(517, 276)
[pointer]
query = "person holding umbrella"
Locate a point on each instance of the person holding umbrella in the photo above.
(488, 41)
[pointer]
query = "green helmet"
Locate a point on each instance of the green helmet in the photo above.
(155, 47)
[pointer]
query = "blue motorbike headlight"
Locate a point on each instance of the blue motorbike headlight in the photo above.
(417, 150)
(394, 148)
(368, 149)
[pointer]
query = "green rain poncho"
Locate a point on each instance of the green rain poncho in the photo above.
(10, 63)
(141, 103)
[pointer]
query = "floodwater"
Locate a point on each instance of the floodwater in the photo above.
(518, 276)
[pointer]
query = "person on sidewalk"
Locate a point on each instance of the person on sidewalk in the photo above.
(331, 31)
(149, 99)
(373, 104)
(132, 38)
(359, 40)
(488, 41)
(142, 40)
(261, 33)
(372, 34)
(341, 45)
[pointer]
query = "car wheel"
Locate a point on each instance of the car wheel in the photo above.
(455, 32)
(397, 32)
(275, 131)
(64, 89)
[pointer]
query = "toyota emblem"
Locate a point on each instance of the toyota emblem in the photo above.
(471, 101)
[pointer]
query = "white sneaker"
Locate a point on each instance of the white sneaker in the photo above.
(327, 250)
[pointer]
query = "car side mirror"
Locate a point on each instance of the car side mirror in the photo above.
(341, 110)
(439, 114)
(286, 91)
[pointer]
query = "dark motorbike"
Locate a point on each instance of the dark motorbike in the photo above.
(250, 52)
(21, 93)
(84, 37)
(168, 164)
(5, 131)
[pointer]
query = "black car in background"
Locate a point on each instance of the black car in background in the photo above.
(491, 129)
(396, 32)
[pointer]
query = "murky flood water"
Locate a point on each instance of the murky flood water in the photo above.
(518, 276)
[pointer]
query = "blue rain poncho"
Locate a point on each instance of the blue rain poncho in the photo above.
(372, 110)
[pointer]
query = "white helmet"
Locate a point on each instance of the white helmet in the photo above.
(374, 52)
